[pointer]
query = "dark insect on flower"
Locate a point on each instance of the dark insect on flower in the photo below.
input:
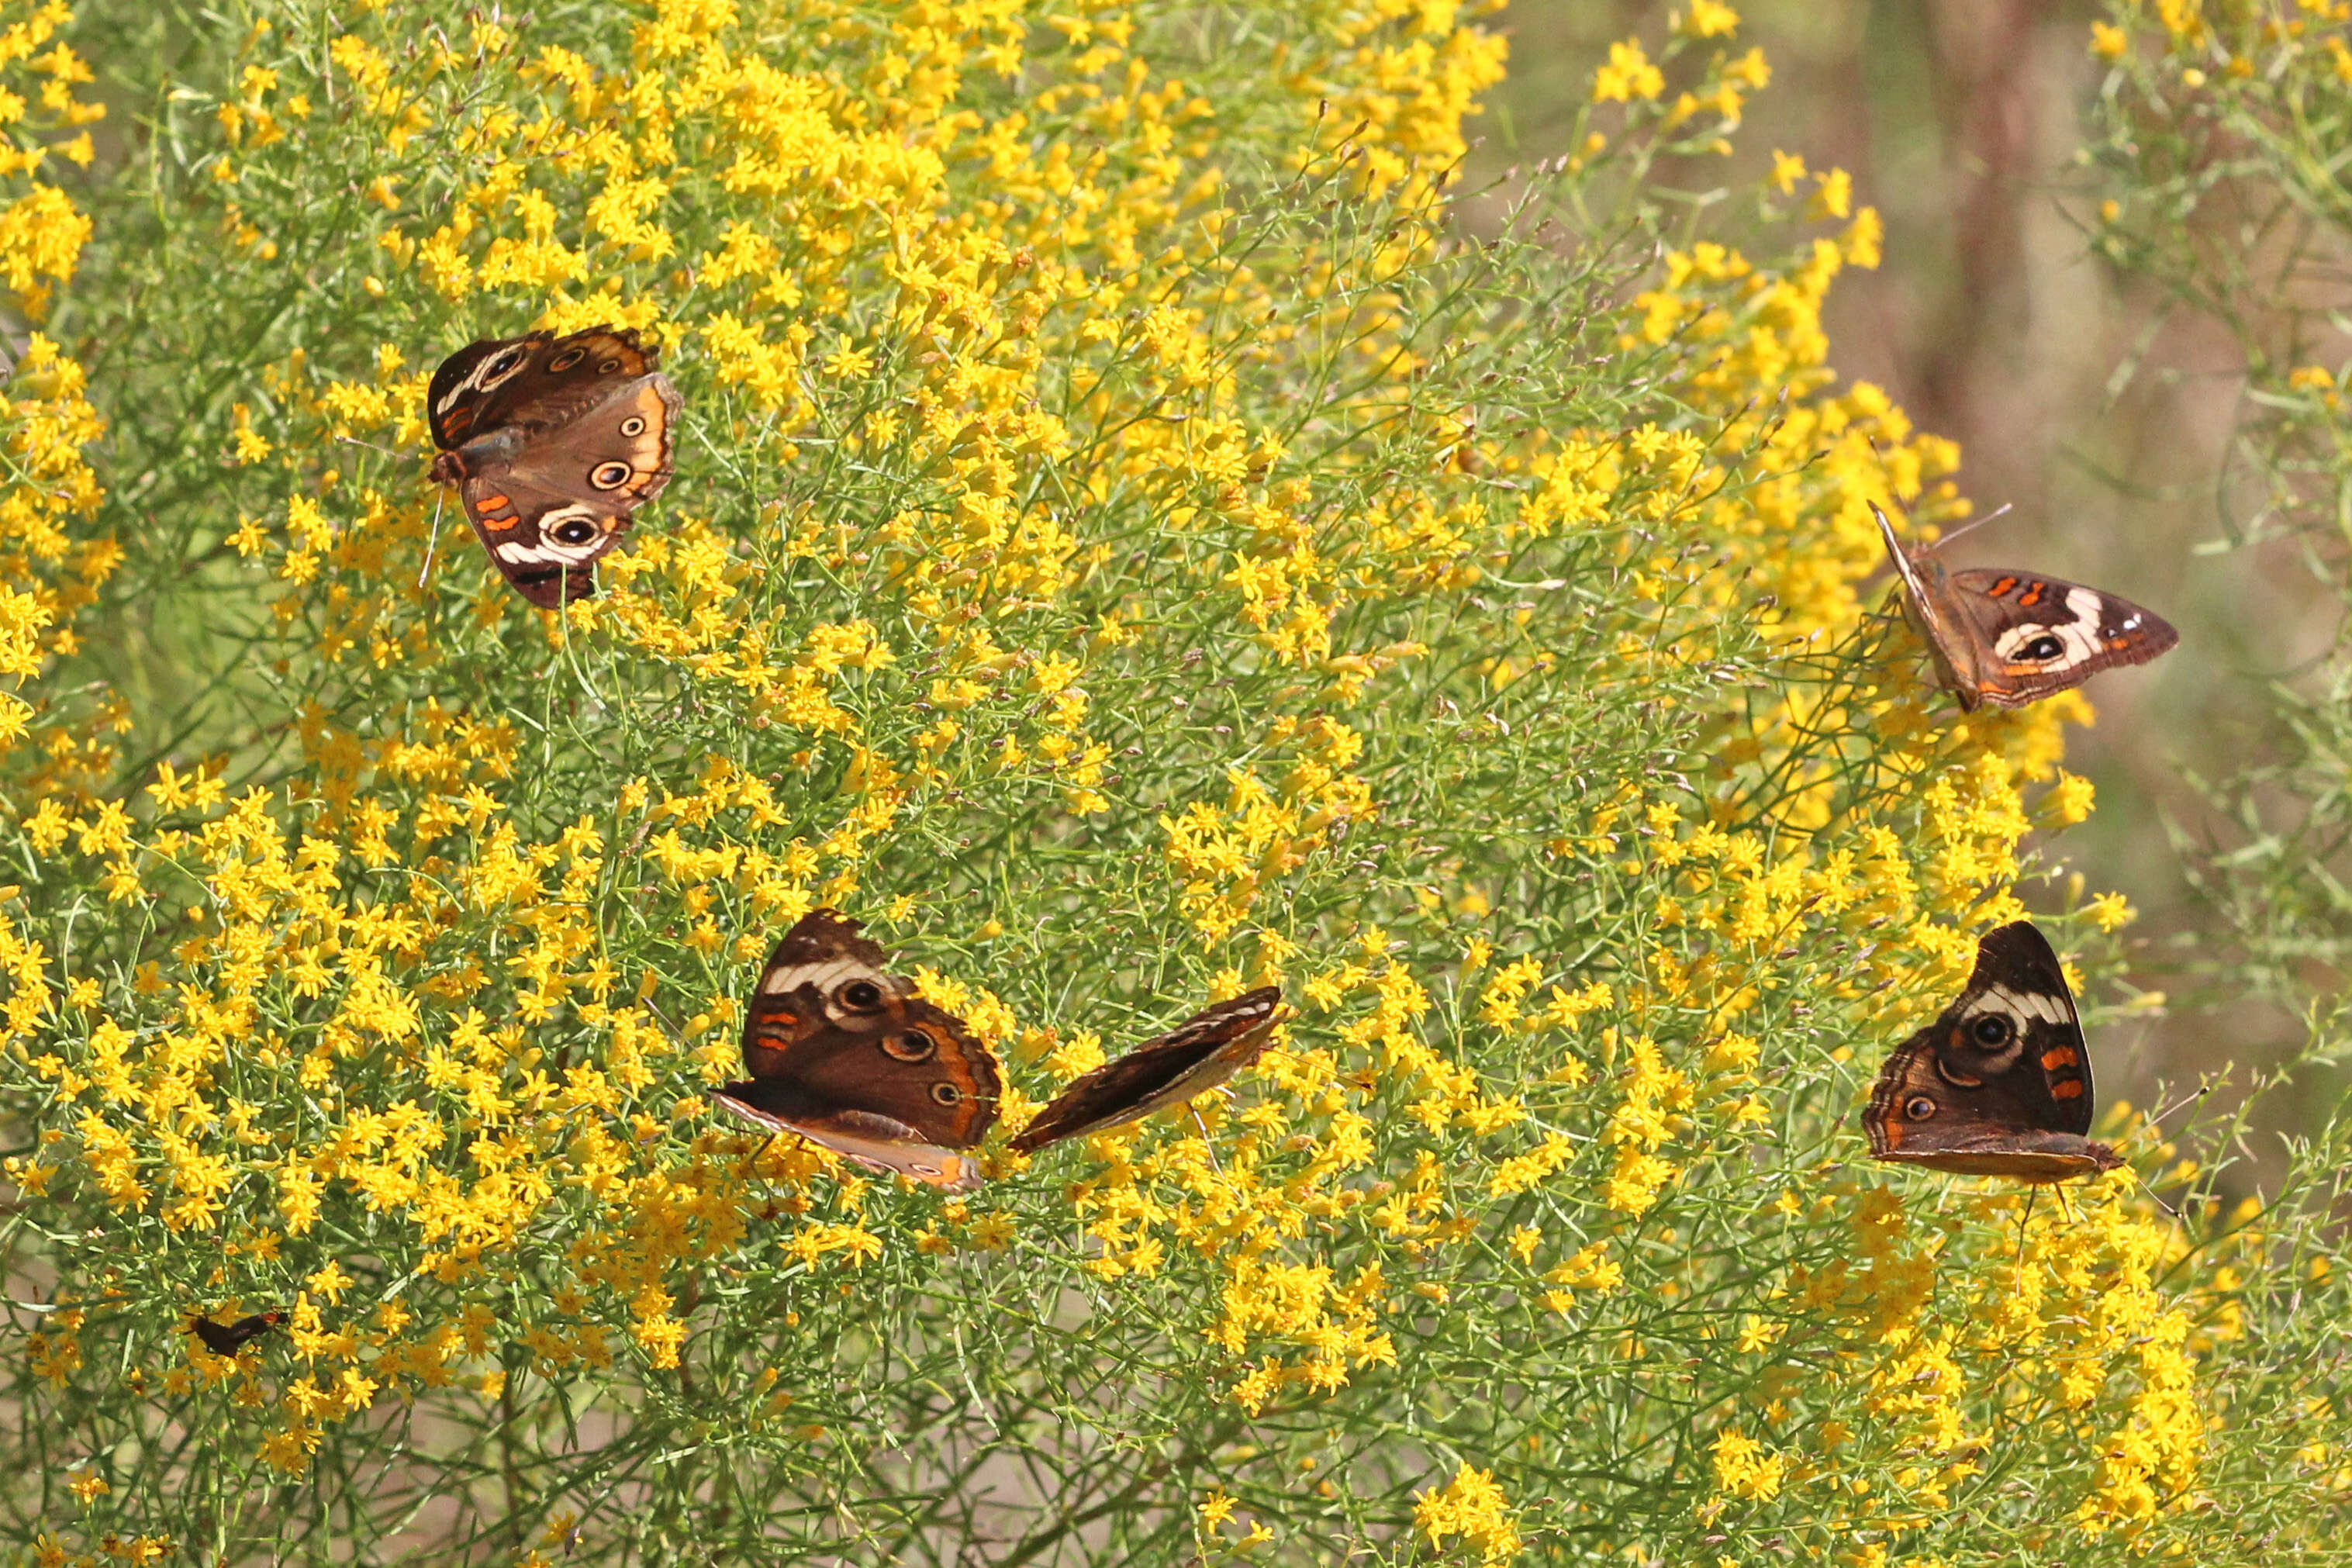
(227, 1338)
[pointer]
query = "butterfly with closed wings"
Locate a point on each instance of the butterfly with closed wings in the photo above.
(1166, 1070)
(553, 443)
(850, 1058)
(2013, 638)
(2000, 1084)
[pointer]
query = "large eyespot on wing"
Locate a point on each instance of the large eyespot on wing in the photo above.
(844, 972)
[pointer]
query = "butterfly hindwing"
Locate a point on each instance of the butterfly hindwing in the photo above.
(2001, 1083)
(566, 499)
(1190, 1060)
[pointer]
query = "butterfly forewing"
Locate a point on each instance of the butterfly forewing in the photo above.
(1170, 1069)
(1928, 605)
(2040, 635)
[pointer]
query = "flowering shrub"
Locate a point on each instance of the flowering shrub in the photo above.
(1127, 547)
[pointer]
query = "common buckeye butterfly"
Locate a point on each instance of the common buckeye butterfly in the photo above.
(2000, 1084)
(553, 443)
(850, 1058)
(2013, 638)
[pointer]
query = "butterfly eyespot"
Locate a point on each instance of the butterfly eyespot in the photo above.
(1918, 1108)
(2042, 649)
(912, 1046)
(947, 1093)
(610, 476)
(1992, 1029)
(573, 530)
(501, 365)
(608, 367)
(634, 425)
(566, 359)
(860, 996)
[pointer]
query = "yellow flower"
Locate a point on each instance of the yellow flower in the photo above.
(1709, 19)
(1473, 1507)
(1628, 75)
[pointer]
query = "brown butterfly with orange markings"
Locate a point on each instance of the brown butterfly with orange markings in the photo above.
(2000, 1084)
(553, 443)
(227, 1338)
(1168, 1069)
(2013, 638)
(849, 1056)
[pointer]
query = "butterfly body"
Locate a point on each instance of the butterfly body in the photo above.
(1999, 1085)
(227, 1338)
(553, 443)
(2009, 638)
(852, 1058)
(1167, 1071)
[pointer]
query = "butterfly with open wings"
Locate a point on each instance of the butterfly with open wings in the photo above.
(2013, 638)
(553, 443)
(228, 1339)
(851, 1058)
(2000, 1084)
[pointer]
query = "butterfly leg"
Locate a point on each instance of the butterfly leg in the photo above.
(2024, 1235)
(751, 1165)
(1206, 1143)
(431, 539)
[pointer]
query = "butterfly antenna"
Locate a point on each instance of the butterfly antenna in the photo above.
(371, 445)
(431, 539)
(2192, 1098)
(1972, 526)
(2154, 1197)
(751, 1165)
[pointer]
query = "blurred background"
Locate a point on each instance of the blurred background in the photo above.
(2094, 406)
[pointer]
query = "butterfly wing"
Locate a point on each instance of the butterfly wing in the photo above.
(822, 973)
(538, 380)
(1934, 611)
(2040, 636)
(913, 1098)
(1999, 1084)
(562, 500)
(848, 1057)
(1192, 1058)
(227, 1338)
